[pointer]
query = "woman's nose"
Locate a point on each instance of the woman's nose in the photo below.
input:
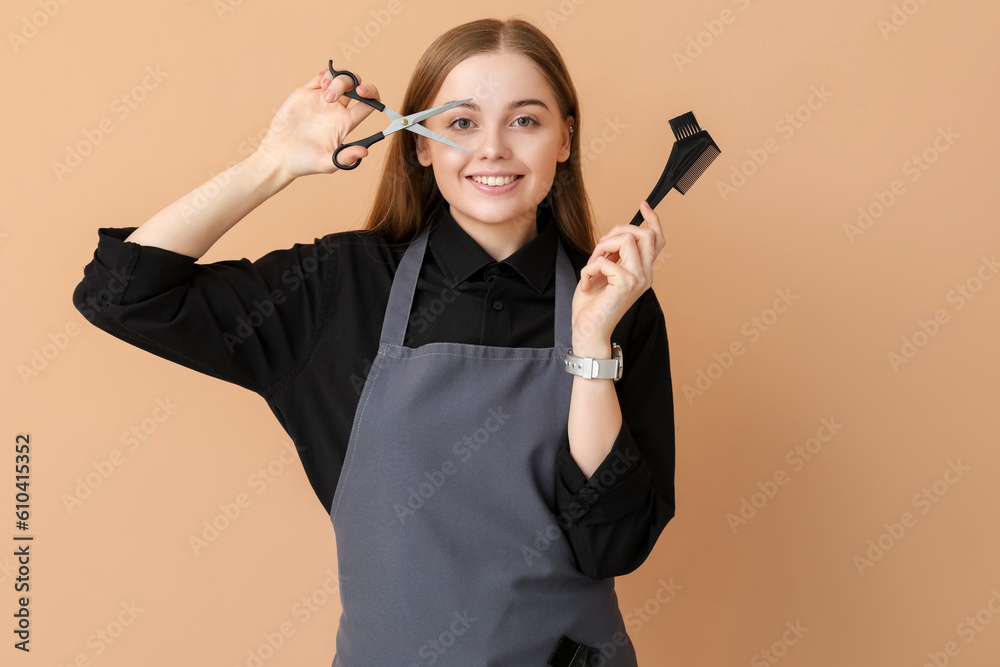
(492, 143)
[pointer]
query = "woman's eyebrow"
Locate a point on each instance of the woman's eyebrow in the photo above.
(510, 105)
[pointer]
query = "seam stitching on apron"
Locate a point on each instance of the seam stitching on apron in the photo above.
(346, 473)
(550, 354)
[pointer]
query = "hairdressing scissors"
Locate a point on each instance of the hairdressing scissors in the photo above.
(398, 122)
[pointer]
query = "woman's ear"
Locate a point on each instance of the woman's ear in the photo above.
(567, 139)
(423, 155)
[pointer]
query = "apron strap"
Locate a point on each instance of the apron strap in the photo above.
(404, 285)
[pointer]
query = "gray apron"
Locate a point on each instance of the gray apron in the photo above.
(448, 545)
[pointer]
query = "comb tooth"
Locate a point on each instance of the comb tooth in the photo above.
(685, 182)
(677, 125)
(684, 125)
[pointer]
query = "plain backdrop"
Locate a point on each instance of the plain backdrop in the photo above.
(843, 243)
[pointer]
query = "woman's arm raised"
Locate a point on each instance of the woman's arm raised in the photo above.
(192, 224)
(246, 322)
(303, 135)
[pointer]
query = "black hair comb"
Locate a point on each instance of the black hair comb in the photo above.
(690, 156)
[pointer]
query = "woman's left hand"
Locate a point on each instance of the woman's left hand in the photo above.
(618, 280)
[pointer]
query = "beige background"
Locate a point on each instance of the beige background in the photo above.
(226, 65)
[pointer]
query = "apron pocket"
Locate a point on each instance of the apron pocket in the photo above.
(569, 653)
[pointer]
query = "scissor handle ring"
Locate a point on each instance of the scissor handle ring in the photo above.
(344, 167)
(366, 142)
(353, 92)
(340, 166)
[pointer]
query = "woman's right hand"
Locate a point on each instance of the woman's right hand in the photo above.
(308, 127)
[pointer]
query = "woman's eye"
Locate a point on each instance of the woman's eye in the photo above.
(462, 123)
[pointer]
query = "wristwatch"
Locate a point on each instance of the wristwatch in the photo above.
(596, 369)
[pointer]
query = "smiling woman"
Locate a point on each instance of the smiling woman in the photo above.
(484, 494)
(515, 138)
(519, 122)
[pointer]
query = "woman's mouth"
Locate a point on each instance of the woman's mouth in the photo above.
(495, 184)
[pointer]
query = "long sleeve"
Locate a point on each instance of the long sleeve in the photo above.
(613, 519)
(248, 323)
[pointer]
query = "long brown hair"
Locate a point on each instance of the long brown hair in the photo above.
(407, 191)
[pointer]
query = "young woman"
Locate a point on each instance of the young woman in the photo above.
(483, 498)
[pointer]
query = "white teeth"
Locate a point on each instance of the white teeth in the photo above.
(494, 180)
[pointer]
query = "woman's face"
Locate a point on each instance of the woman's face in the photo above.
(511, 128)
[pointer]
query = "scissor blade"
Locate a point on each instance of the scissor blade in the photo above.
(423, 131)
(407, 122)
(424, 115)
(411, 123)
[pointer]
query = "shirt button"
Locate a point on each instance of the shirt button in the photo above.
(498, 305)
(587, 495)
(493, 271)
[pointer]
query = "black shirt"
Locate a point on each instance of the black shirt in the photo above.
(301, 327)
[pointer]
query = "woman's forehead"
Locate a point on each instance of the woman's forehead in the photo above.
(495, 79)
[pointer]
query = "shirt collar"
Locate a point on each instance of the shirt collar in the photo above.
(460, 256)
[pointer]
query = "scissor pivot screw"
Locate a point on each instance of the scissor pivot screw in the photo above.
(404, 122)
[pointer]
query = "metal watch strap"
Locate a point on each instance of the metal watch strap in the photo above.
(600, 369)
